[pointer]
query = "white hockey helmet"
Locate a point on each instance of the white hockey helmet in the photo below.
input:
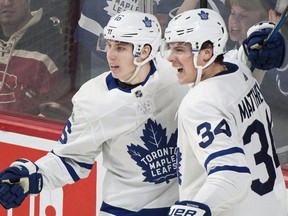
(136, 28)
(196, 27)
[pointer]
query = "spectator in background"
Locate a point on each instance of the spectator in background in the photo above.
(239, 15)
(32, 59)
(244, 14)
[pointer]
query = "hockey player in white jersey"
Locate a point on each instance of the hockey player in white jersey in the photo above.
(227, 164)
(128, 114)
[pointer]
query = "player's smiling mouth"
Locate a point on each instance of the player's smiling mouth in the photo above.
(235, 29)
(114, 66)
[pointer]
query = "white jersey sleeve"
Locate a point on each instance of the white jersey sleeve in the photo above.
(238, 55)
(78, 145)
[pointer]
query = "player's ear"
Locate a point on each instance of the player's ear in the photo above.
(207, 53)
(146, 50)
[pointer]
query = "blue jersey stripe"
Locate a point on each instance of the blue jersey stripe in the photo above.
(223, 153)
(124, 212)
(85, 165)
(71, 170)
(230, 168)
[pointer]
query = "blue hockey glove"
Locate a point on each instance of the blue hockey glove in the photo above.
(185, 208)
(270, 55)
(18, 181)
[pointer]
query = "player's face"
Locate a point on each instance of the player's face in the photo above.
(120, 59)
(14, 12)
(240, 20)
(181, 57)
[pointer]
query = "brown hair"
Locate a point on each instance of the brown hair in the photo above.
(254, 5)
(219, 59)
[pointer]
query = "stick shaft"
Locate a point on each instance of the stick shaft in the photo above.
(277, 28)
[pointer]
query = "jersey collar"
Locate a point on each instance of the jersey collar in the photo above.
(112, 84)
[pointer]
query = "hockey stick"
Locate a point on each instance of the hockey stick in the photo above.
(274, 31)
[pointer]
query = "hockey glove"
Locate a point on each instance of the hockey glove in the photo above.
(268, 56)
(18, 181)
(189, 208)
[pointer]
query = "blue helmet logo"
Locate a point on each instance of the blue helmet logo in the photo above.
(147, 22)
(203, 15)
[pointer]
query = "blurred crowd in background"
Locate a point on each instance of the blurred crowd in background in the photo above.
(48, 50)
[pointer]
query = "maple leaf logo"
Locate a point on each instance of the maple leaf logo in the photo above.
(147, 22)
(203, 15)
(158, 159)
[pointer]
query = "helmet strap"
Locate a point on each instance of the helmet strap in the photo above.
(201, 68)
(138, 67)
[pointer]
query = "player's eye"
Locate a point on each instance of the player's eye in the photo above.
(121, 48)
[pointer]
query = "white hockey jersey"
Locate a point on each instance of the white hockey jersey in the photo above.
(136, 131)
(227, 159)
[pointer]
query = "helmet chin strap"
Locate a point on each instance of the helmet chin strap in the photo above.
(138, 67)
(201, 68)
